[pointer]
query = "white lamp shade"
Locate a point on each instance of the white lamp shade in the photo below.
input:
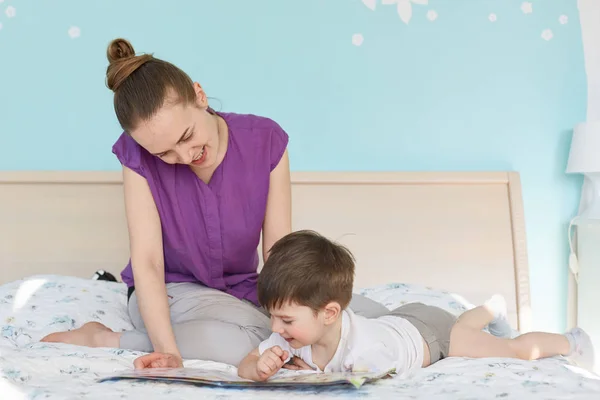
(584, 156)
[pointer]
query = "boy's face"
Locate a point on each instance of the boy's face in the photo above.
(298, 324)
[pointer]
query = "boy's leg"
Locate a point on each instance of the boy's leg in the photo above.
(492, 314)
(476, 318)
(466, 341)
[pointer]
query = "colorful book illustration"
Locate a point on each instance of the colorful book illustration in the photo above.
(226, 379)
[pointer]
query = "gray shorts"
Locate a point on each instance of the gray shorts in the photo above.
(433, 323)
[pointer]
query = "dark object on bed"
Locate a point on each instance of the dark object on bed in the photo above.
(102, 275)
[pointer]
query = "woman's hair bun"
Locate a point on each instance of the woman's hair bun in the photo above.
(119, 49)
(122, 62)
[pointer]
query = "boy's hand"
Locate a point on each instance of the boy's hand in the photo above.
(296, 363)
(270, 362)
(158, 360)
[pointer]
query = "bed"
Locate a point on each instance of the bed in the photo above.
(450, 239)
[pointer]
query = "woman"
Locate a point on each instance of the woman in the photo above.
(200, 187)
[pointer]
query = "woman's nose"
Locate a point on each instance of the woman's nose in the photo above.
(185, 155)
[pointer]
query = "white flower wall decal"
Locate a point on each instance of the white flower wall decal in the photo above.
(527, 7)
(74, 32)
(547, 34)
(10, 12)
(370, 4)
(357, 39)
(404, 7)
(432, 15)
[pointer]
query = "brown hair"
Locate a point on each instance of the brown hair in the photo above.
(141, 84)
(308, 269)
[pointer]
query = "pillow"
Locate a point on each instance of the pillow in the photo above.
(36, 306)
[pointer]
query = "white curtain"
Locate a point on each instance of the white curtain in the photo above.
(589, 15)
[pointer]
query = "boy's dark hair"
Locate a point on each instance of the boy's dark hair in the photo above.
(308, 269)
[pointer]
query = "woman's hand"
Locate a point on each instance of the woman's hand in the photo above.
(158, 360)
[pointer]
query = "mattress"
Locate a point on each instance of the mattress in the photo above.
(33, 307)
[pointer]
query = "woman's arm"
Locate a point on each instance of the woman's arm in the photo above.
(278, 218)
(145, 238)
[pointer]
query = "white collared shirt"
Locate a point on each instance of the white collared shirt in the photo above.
(366, 345)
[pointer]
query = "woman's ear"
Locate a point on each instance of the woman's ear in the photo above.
(201, 98)
(332, 312)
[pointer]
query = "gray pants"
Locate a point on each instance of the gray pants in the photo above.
(212, 325)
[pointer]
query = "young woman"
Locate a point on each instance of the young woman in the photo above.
(200, 187)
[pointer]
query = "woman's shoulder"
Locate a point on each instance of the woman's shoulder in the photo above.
(250, 122)
(129, 153)
(264, 135)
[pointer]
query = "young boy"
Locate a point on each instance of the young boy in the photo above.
(306, 285)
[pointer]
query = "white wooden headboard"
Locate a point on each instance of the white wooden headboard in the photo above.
(460, 231)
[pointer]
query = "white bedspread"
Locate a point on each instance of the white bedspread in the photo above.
(32, 308)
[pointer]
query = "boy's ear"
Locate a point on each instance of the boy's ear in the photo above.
(332, 312)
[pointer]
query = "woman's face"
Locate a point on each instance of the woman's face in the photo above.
(181, 134)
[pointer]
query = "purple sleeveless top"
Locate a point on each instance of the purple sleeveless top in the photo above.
(211, 231)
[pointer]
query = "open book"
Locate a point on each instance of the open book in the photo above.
(224, 379)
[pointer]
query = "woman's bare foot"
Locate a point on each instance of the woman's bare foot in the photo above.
(92, 334)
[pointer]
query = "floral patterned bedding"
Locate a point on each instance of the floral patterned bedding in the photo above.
(32, 308)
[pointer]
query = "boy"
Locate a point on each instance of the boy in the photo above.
(306, 285)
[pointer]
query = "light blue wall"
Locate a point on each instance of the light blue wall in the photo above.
(458, 93)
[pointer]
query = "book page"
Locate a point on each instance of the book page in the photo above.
(222, 378)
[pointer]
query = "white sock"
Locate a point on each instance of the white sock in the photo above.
(499, 326)
(582, 349)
